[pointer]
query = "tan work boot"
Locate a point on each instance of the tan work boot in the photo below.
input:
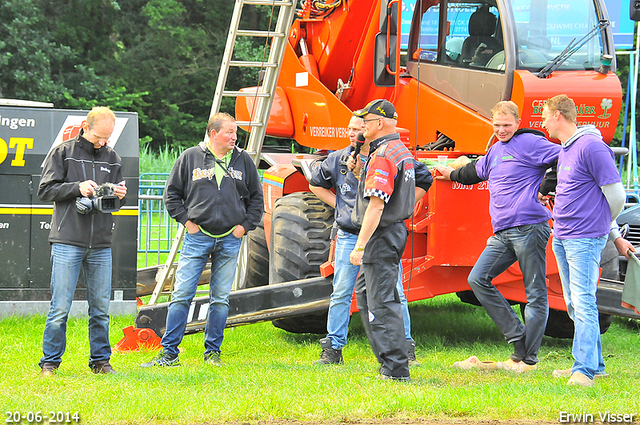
(566, 373)
(475, 363)
(579, 378)
(518, 367)
(561, 373)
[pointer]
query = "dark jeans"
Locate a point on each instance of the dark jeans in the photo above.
(527, 245)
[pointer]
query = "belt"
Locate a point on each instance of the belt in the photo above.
(353, 232)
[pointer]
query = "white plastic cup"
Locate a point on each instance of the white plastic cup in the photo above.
(442, 160)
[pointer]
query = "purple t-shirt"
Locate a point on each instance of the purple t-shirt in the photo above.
(581, 210)
(514, 170)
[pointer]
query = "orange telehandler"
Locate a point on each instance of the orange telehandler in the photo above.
(457, 60)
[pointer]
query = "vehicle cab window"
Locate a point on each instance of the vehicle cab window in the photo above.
(545, 28)
(467, 34)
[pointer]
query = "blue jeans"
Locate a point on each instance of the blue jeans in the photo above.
(578, 264)
(196, 250)
(67, 262)
(344, 280)
(527, 245)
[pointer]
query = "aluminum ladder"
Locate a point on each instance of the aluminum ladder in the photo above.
(258, 123)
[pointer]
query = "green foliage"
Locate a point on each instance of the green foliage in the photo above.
(28, 52)
(160, 161)
(159, 58)
(270, 376)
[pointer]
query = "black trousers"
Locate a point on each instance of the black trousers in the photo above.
(378, 300)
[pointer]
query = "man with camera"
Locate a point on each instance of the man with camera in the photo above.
(83, 178)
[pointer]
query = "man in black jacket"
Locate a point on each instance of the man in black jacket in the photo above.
(81, 239)
(214, 190)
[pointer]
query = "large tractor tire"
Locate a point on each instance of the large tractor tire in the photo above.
(560, 324)
(257, 273)
(468, 297)
(300, 232)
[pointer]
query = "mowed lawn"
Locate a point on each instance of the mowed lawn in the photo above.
(270, 375)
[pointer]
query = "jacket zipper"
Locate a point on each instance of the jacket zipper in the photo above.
(66, 210)
(93, 166)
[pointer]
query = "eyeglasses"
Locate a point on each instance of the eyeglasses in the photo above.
(371, 119)
(93, 137)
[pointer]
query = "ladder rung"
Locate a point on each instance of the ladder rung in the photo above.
(249, 124)
(253, 64)
(244, 94)
(268, 3)
(256, 33)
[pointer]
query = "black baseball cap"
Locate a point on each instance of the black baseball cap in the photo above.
(381, 107)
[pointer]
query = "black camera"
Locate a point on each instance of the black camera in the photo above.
(103, 200)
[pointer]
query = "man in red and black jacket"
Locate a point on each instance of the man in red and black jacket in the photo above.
(386, 197)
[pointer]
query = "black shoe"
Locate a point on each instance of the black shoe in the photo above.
(163, 359)
(519, 350)
(102, 366)
(384, 377)
(213, 358)
(48, 369)
(411, 353)
(329, 355)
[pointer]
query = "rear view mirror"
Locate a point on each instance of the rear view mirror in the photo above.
(634, 10)
(382, 77)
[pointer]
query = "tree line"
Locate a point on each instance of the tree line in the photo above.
(159, 58)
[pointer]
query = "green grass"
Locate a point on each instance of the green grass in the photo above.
(269, 374)
(160, 238)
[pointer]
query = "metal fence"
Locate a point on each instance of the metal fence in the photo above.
(156, 229)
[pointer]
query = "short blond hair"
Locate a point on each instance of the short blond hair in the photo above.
(506, 107)
(217, 120)
(565, 105)
(98, 114)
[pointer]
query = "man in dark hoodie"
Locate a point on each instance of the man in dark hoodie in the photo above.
(214, 190)
(80, 241)
(515, 166)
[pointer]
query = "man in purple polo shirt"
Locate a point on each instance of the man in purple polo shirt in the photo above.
(515, 166)
(589, 197)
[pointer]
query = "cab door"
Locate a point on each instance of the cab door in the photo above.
(459, 48)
